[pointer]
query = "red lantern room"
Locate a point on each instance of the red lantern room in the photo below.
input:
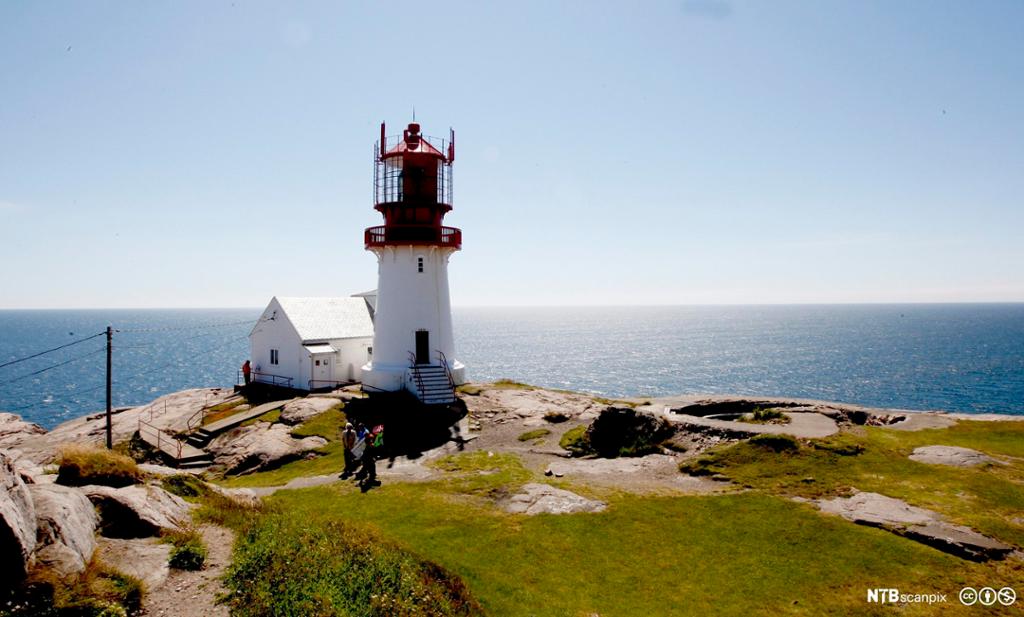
(413, 190)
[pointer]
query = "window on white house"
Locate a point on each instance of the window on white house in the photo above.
(369, 352)
(273, 356)
(419, 264)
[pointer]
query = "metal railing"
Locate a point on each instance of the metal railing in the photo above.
(447, 369)
(416, 373)
(315, 384)
(383, 235)
(271, 379)
(162, 437)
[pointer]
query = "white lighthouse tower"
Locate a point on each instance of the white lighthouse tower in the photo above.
(413, 347)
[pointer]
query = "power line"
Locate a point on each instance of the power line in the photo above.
(169, 328)
(82, 340)
(59, 364)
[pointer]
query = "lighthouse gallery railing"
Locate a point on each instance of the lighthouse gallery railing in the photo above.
(396, 234)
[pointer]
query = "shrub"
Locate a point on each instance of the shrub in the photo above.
(622, 431)
(285, 566)
(576, 440)
(534, 434)
(766, 416)
(776, 443)
(184, 485)
(81, 465)
(189, 550)
(555, 417)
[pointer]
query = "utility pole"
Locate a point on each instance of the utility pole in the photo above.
(110, 437)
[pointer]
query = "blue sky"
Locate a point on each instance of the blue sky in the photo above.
(193, 154)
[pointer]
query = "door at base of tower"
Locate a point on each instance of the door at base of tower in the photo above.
(422, 347)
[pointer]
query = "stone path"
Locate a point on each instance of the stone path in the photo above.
(194, 594)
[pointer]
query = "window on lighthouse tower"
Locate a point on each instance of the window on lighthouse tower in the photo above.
(419, 264)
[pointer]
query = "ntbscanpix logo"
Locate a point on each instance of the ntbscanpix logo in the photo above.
(883, 595)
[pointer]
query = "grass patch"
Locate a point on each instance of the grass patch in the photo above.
(509, 384)
(81, 465)
(575, 440)
(988, 498)
(492, 474)
(770, 550)
(534, 434)
(184, 485)
(222, 410)
(188, 550)
(469, 389)
(284, 565)
(100, 591)
(328, 425)
(330, 459)
(775, 443)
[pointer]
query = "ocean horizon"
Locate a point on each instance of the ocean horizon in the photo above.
(963, 357)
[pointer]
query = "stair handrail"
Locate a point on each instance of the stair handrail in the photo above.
(447, 369)
(159, 436)
(416, 374)
(201, 413)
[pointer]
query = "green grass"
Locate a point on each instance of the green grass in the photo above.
(284, 565)
(469, 389)
(737, 554)
(989, 498)
(328, 425)
(81, 465)
(222, 410)
(534, 434)
(491, 474)
(330, 459)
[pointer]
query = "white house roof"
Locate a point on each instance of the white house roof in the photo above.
(328, 318)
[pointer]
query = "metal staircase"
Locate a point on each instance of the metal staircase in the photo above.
(433, 384)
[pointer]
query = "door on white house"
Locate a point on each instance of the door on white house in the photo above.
(322, 373)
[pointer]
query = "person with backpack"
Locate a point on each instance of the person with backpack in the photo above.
(374, 446)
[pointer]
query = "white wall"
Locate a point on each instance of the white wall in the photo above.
(351, 357)
(278, 333)
(407, 301)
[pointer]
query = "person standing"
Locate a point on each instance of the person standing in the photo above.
(348, 440)
(246, 371)
(374, 446)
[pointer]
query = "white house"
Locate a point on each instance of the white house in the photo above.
(311, 343)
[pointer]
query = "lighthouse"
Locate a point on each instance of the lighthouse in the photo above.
(413, 347)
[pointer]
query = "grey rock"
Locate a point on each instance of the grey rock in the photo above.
(259, 446)
(67, 523)
(137, 511)
(302, 409)
(14, 430)
(17, 522)
(951, 455)
(144, 558)
(917, 524)
(545, 499)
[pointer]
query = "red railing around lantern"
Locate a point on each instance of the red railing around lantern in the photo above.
(396, 235)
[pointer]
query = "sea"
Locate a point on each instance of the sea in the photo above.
(955, 357)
